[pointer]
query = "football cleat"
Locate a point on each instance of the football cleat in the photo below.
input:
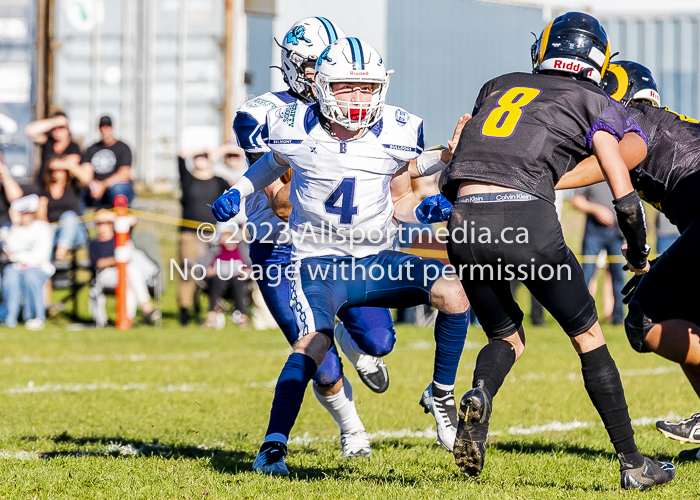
(270, 459)
(373, 373)
(372, 370)
(444, 410)
(651, 474)
(355, 444)
(472, 430)
(685, 431)
(689, 455)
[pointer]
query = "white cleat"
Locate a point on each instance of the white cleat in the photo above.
(445, 412)
(270, 459)
(355, 444)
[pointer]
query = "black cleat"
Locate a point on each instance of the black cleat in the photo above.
(270, 459)
(374, 374)
(685, 431)
(689, 455)
(651, 474)
(472, 430)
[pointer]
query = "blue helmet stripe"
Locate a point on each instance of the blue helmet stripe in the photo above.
(330, 29)
(357, 55)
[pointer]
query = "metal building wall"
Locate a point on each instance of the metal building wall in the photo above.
(17, 31)
(444, 51)
(670, 48)
(155, 66)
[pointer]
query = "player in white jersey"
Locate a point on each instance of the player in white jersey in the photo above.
(349, 156)
(271, 247)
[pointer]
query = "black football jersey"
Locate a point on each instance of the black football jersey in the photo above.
(673, 157)
(528, 130)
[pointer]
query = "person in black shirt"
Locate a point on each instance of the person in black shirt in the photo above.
(200, 189)
(110, 160)
(663, 316)
(54, 137)
(527, 130)
(60, 193)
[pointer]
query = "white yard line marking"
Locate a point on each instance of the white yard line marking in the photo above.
(128, 449)
(99, 358)
(31, 388)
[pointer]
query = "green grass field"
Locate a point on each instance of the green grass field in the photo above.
(180, 413)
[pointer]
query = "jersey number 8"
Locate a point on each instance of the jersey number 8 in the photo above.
(503, 120)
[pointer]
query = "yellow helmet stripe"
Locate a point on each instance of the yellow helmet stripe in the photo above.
(622, 81)
(607, 60)
(544, 39)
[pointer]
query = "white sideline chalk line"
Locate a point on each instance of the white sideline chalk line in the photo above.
(129, 450)
(429, 433)
(97, 358)
(31, 388)
(95, 386)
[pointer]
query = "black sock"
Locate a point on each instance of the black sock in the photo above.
(492, 365)
(604, 387)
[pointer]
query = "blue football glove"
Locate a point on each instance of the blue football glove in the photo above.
(433, 209)
(227, 205)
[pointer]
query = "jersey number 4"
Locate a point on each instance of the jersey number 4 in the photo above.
(503, 120)
(345, 194)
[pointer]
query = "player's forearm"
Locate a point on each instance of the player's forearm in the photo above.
(584, 174)
(429, 163)
(633, 150)
(607, 151)
(263, 173)
(279, 202)
(405, 208)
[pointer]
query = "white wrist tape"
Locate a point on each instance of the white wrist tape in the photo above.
(430, 163)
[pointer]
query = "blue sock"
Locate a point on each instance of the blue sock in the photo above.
(450, 334)
(289, 393)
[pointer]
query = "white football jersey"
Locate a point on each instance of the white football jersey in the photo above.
(340, 195)
(247, 126)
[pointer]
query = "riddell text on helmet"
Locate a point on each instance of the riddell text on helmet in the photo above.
(571, 66)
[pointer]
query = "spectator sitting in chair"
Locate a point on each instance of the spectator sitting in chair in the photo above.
(226, 271)
(110, 161)
(59, 194)
(27, 245)
(140, 270)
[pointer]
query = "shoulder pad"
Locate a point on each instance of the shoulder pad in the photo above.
(250, 118)
(286, 126)
(400, 132)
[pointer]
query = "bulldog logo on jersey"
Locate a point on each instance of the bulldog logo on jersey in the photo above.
(297, 34)
(401, 117)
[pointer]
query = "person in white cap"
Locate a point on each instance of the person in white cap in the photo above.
(27, 244)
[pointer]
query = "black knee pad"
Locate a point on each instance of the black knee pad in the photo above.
(637, 326)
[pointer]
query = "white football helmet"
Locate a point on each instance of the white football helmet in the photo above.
(304, 43)
(351, 60)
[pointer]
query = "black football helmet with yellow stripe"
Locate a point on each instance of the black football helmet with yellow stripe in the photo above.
(574, 43)
(627, 81)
